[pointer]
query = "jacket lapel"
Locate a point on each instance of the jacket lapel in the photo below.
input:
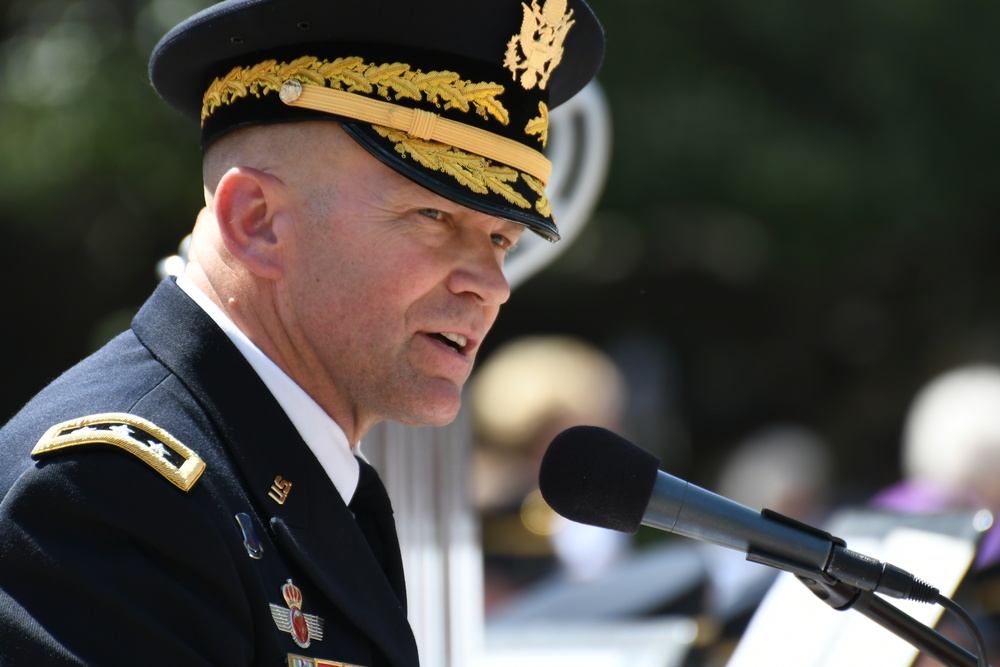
(347, 573)
(316, 529)
(311, 523)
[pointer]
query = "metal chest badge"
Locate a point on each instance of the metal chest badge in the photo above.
(301, 626)
(538, 48)
(305, 661)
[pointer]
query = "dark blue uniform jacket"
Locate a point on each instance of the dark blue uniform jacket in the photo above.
(106, 560)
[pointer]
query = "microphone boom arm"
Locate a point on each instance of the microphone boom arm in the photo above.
(842, 597)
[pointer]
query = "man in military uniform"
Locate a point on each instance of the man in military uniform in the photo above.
(193, 493)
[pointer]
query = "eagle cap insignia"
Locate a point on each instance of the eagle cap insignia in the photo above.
(538, 48)
(291, 619)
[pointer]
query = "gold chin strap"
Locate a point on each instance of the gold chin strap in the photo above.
(418, 123)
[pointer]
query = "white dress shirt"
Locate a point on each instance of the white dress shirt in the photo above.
(321, 434)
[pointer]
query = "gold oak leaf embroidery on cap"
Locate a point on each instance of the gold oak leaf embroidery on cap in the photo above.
(542, 205)
(473, 171)
(388, 80)
(539, 126)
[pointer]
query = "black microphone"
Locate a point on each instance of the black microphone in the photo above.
(593, 476)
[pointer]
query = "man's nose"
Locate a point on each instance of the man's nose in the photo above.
(481, 273)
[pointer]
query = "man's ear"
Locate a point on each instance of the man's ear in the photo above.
(245, 205)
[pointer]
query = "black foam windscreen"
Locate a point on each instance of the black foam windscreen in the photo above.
(591, 475)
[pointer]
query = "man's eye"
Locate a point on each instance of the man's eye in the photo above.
(504, 242)
(432, 213)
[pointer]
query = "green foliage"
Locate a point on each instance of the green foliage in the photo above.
(100, 178)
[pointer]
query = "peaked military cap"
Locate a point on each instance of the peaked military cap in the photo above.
(453, 94)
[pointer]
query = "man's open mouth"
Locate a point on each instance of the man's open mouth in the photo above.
(453, 340)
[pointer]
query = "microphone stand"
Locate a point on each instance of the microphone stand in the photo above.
(843, 596)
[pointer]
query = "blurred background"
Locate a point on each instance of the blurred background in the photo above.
(799, 225)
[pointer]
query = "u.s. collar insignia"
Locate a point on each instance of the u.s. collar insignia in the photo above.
(280, 488)
(538, 48)
(301, 626)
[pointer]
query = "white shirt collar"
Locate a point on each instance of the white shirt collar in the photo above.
(321, 434)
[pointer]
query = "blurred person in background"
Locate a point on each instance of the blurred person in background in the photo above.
(951, 461)
(528, 391)
(782, 467)
(951, 450)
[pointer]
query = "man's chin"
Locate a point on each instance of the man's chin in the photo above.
(441, 417)
(433, 408)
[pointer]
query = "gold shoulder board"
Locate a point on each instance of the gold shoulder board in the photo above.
(137, 436)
